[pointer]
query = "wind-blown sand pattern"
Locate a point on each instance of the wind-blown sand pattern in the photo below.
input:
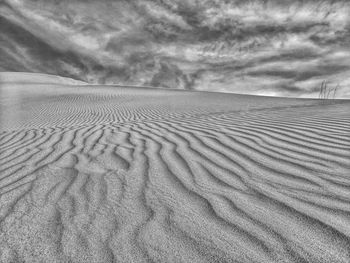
(113, 174)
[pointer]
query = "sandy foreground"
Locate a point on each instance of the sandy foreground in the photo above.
(113, 174)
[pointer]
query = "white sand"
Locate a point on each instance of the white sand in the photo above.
(111, 174)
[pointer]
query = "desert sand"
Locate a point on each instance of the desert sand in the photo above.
(120, 174)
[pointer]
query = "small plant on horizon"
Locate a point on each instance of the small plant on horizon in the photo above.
(327, 92)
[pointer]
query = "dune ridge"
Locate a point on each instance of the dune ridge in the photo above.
(112, 174)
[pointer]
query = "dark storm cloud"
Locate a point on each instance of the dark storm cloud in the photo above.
(256, 47)
(22, 51)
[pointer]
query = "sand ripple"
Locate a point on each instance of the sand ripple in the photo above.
(93, 174)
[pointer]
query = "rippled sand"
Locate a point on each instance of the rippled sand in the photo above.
(113, 174)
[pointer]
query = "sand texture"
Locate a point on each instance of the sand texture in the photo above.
(113, 174)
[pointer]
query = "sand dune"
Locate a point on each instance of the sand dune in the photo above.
(37, 78)
(112, 174)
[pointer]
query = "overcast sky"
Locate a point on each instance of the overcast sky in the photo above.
(279, 47)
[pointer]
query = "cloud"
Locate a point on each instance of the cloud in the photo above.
(275, 47)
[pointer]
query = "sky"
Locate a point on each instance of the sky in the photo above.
(274, 48)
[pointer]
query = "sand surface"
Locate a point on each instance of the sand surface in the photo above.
(112, 174)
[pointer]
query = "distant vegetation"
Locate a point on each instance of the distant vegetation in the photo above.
(327, 92)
